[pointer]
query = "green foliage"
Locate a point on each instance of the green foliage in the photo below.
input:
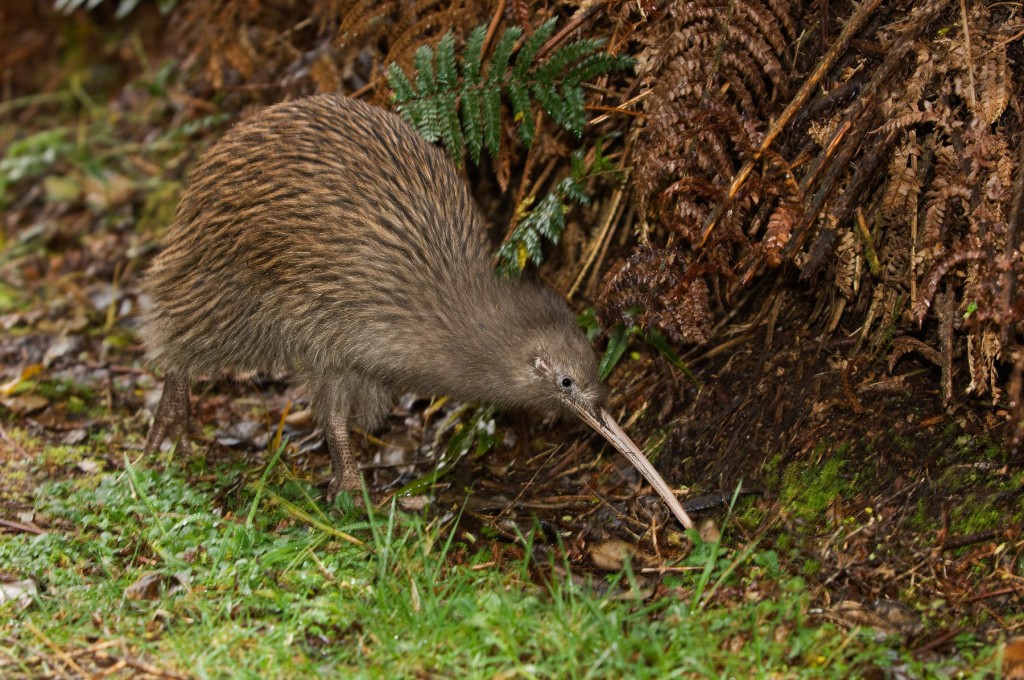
(547, 220)
(619, 338)
(32, 156)
(458, 100)
(278, 597)
(69, 161)
(809, 488)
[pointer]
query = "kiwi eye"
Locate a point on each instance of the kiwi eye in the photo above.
(566, 382)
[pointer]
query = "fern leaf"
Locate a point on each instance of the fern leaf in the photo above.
(547, 96)
(459, 99)
(570, 54)
(519, 95)
(548, 219)
(502, 53)
(427, 120)
(545, 222)
(447, 76)
(400, 84)
(492, 118)
(426, 81)
(472, 56)
(573, 111)
(524, 59)
(472, 122)
(451, 130)
(598, 65)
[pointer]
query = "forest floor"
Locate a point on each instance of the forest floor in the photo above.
(851, 525)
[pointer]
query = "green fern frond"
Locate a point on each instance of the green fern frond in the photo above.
(472, 59)
(530, 48)
(596, 65)
(404, 89)
(565, 56)
(502, 53)
(492, 119)
(547, 220)
(522, 112)
(426, 82)
(447, 77)
(472, 123)
(451, 130)
(460, 99)
(547, 97)
(573, 118)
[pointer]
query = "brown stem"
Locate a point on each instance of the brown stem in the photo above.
(574, 24)
(492, 28)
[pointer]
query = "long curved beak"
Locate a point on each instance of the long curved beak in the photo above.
(610, 430)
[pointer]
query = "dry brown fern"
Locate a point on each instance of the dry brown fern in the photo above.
(313, 45)
(712, 69)
(908, 127)
(655, 283)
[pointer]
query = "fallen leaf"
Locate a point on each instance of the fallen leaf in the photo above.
(27, 373)
(303, 418)
(414, 503)
(110, 190)
(611, 555)
(246, 432)
(75, 436)
(19, 592)
(26, 404)
(77, 322)
(181, 580)
(886, 616)
(64, 188)
(147, 587)
(709, 532)
(90, 465)
(64, 344)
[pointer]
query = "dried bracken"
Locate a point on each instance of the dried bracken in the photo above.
(328, 45)
(711, 68)
(900, 175)
(657, 292)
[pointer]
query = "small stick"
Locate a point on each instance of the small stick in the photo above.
(61, 654)
(869, 246)
(140, 665)
(610, 215)
(967, 47)
(493, 27)
(621, 108)
(27, 528)
(575, 23)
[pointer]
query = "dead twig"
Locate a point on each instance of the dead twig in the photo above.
(492, 28)
(574, 25)
(25, 528)
(60, 653)
(611, 215)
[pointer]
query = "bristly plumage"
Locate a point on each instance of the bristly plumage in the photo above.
(324, 239)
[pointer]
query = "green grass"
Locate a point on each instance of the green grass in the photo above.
(265, 585)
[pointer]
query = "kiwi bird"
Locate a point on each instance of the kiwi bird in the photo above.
(324, 239)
